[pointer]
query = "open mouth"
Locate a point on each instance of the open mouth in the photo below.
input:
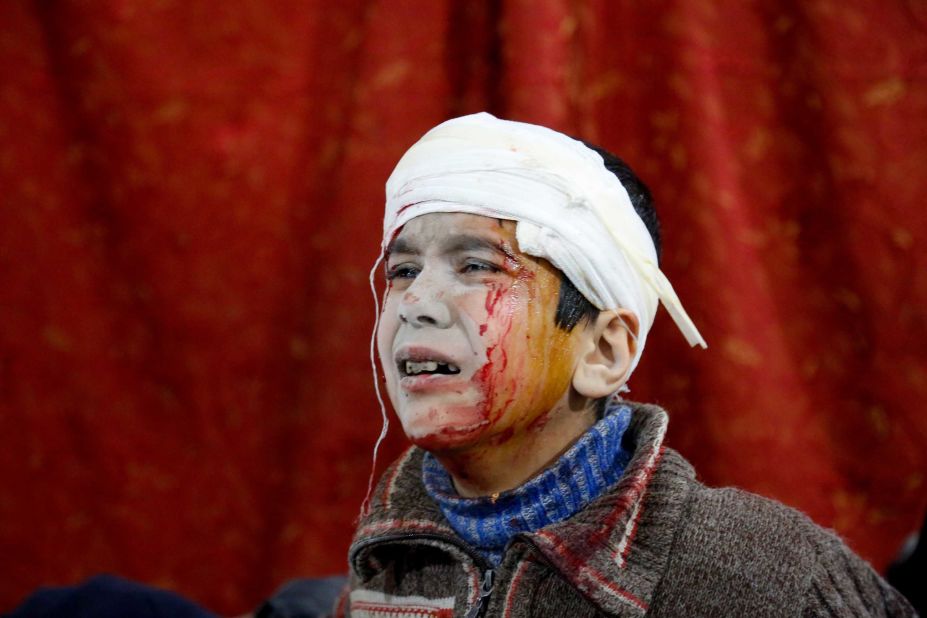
(409, 368)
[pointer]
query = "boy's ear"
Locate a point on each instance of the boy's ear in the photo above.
(609, 344)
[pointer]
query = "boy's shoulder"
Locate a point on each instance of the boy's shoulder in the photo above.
(737, 551)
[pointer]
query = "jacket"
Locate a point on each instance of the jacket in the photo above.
(658, 543)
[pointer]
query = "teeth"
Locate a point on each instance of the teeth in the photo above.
(416, 367)
(413, 367)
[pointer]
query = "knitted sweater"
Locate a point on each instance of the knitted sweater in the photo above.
(584, 472)
(658, 543)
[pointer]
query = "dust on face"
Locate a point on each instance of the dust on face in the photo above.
(467, 338)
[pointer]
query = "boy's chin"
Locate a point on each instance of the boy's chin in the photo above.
(447, 430)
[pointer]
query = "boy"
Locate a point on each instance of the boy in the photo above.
(522, 281)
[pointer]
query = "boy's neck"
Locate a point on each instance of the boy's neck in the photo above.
(501, 465)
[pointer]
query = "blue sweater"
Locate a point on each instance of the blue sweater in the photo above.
(594, 463)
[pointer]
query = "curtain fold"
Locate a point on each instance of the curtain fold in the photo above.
(192, 198)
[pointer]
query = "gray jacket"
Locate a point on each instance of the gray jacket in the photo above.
(658, 544)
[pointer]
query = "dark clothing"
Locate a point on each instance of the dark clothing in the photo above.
(658, 543)
(104, 596)
(303, 598)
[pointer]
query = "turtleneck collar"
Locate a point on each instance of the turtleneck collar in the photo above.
(589, 467)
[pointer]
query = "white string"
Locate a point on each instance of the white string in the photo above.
(365, 506)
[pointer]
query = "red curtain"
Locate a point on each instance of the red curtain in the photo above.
(190, 201)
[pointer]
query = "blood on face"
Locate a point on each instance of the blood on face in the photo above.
(461, 294)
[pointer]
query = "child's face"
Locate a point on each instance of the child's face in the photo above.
(467, 336)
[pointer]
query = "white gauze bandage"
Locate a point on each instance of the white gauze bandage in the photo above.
(569, 209)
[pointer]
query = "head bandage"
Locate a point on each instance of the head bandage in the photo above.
(569, 209)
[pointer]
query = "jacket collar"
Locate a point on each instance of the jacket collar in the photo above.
(616, 548)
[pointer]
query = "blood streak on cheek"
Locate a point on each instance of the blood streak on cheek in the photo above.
(490, 383)
(488, 377)
(493, 296)
(491, 304)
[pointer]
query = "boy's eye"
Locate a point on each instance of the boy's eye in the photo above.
(479, 266)
(402, 271)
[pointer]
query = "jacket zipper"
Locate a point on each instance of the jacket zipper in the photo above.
(476, 610)
(487, 573)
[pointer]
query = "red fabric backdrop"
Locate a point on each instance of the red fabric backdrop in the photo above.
(191, 196)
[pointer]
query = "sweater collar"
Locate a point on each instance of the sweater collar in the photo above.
(582, 474)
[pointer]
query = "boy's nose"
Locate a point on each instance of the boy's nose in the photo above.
(425, 310)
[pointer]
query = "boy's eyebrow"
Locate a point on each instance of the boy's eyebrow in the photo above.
(467, 242)
(459, 243)
(401, 245)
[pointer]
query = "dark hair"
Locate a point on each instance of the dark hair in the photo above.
(572, 306)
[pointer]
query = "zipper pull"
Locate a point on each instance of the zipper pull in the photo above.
(485, 591)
